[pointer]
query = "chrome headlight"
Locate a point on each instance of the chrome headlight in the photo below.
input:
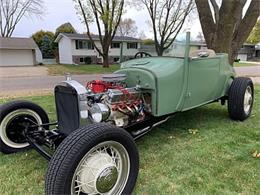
(99, 112)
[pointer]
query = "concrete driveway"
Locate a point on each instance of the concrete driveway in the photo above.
(24, 81)
(15, 72)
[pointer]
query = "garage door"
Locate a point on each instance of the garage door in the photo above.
(16, 57)
(242, 57)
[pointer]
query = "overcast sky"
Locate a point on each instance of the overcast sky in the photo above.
(58, 12)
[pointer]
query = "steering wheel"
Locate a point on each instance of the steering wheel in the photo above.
(142, 54)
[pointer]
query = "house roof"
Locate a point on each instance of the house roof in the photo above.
(17, 43)
(75, 36)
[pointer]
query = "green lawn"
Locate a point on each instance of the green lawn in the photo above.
(197, 152)
(80, 69)
(238, 64)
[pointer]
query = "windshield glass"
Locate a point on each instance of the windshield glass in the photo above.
(177, 49)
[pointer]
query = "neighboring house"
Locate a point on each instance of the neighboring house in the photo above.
(148, 49)
(19, 52)
(179, 47)
(247, 52)
(77, 49)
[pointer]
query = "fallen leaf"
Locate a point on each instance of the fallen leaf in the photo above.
(256, 154)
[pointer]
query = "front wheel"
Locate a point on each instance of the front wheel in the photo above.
(95, 159)
(240, 98)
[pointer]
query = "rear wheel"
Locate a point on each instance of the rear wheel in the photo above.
(15, 118)
(240, 98)
(96, 159)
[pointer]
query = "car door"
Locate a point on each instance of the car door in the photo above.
(203, 80)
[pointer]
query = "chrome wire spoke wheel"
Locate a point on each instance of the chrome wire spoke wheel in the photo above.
(248, 100)
(14, 124)
(103, 170)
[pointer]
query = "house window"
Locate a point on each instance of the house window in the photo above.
(85, 60)
(81, 60)
(115, 45)
(80, 44)
(116, 60)
(132, 45)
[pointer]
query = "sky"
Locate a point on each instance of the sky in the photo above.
(58, 12)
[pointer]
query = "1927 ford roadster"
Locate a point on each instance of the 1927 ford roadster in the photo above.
(92, 149)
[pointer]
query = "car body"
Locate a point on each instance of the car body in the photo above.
(177, 85)
(93, 138)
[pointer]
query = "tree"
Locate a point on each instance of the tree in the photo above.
(142, 35)
(148, 42)
(65, 28)
(254, 36)
(167, 19)
(12, 11)
(225, 27)
(127, 27)
(39, 35)
(44, 40)
(46, 47)
(106, 15)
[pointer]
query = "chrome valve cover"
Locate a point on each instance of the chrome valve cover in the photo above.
(116, 96)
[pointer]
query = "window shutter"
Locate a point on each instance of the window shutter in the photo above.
(77, 44)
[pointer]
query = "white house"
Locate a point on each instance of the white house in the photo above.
(77, 48)
(19, 52)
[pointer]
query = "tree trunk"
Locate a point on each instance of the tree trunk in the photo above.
(159, 49)
(228, 32)
(105, 61)
(160, 52)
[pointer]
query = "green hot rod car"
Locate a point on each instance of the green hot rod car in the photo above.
(91, 148)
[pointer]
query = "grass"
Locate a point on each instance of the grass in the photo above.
(80, 69)
(200, 151)
(241, 64)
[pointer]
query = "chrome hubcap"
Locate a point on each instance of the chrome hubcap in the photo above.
(248, 99)
(103, 170)
(107, 179)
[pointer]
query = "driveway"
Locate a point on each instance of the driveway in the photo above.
(15, 72)
(35, 81)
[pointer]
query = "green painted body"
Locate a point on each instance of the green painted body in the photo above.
(180, 84)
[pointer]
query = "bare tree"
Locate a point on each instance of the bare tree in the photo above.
(106, 15)
(142, 35)
(225, 27)
(167, 19)
(12, 11)
(127, 27)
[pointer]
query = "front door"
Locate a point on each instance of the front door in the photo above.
(203, 79)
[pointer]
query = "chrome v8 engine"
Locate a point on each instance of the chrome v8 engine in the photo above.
(114, 102)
